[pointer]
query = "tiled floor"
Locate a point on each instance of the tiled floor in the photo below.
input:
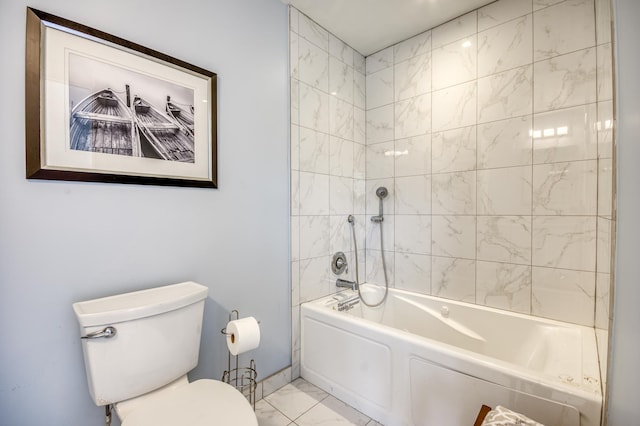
(303, 404)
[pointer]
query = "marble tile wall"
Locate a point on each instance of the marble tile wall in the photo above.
(327, 162)
(492, 133)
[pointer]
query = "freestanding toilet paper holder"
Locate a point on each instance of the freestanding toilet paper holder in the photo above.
(242, 378)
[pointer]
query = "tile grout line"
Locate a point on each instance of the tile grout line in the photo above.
(276, 408)
(475, 240)
(533, 108)
(312, 407)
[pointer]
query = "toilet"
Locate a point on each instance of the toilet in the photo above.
(138, 348)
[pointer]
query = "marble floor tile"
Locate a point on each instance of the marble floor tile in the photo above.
(332, 411)
(296, 398)
(302, 404)
(269, 416)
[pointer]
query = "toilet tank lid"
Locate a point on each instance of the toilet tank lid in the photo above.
(138, 304)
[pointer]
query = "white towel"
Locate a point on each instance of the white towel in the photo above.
(501, 416)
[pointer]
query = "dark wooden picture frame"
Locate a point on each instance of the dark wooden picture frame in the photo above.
(174, 147)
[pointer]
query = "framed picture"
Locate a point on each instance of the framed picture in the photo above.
(103, 109)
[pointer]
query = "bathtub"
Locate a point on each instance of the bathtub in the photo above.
(422, 360)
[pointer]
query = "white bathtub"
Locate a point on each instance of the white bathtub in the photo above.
(421, 360)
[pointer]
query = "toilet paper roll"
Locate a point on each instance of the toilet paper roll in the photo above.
(243, 335)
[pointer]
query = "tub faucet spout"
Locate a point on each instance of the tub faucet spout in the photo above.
(346, 284)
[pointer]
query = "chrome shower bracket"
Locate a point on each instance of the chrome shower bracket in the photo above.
(339, 263)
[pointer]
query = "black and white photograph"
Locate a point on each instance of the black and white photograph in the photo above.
(118, 111)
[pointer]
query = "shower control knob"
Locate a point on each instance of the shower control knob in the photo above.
(339, 263)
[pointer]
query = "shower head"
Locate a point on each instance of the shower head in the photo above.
(351, 219)
(382, 192)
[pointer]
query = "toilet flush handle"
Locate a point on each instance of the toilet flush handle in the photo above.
(106, 332)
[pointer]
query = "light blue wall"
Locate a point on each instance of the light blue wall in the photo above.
(63, 242)
(624, 376)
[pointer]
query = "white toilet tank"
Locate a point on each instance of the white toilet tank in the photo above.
(157, 339)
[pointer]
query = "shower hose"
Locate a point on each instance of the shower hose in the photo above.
(384, 268)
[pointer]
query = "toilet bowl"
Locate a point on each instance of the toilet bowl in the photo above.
(138, 348)
(200, 403)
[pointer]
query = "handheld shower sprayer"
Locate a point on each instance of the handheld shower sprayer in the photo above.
(381, 192)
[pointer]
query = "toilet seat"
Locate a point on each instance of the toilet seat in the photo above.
(200, 403)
